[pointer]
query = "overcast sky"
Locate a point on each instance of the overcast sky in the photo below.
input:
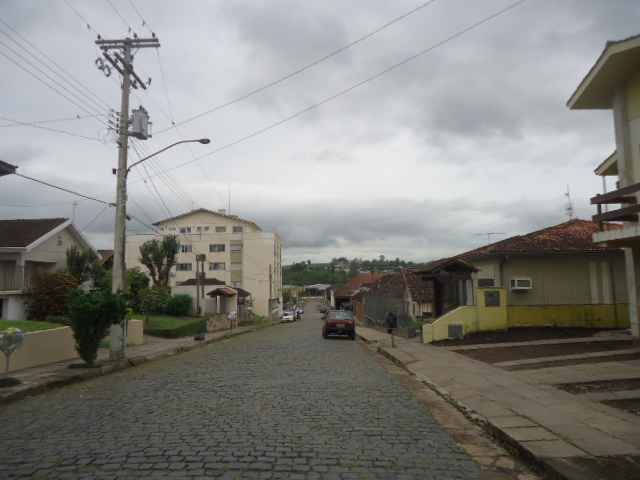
(472, 137)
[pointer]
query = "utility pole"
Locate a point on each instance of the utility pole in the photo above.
(122, 61)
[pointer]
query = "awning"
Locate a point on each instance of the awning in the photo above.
(222, 292)
(242, 293)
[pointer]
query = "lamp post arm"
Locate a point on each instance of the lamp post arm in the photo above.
(158, 152)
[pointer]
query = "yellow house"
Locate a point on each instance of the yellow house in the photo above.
(613, 83)
(555, 277)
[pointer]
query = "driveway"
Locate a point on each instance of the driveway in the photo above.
(277, 403)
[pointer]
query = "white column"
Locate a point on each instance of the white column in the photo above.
(632, 264)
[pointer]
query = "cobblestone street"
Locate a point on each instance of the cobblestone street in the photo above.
(277, 403)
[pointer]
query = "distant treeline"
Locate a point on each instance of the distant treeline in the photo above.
(339, 270)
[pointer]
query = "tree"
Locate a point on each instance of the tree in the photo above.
(83, 264)
(159, 258)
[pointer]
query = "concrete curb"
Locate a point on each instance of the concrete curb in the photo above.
(112, 367)
(537, 463)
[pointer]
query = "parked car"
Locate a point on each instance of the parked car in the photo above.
(339, 322)
(288, 316)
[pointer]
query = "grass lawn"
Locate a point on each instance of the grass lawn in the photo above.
(172, 327)
(28, 325)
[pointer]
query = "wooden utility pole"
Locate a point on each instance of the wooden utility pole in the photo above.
(122, 61)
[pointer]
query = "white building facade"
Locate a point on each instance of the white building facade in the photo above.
(236, 251)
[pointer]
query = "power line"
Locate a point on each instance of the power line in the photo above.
(19, 65)
(49, 129)
(94, 218)
(72, 192)
(144, 22)
(81, 17)
(155, 189)
(51, 120)
(126, 24)
(66, 73)
(88, 197)
(306, 67)
(87, 106)
(345, 91)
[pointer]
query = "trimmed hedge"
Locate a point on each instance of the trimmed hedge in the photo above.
(174, 327)
(180, 305)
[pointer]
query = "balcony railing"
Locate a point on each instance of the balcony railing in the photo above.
(623, 196)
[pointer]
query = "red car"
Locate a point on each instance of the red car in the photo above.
(339, 322)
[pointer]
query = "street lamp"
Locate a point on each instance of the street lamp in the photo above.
(118, 333)
(203, 141)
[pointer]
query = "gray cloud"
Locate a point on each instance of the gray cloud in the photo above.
(414, 164)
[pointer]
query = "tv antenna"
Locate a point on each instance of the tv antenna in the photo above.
(569, 207)
(488, 234)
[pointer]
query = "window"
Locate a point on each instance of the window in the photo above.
(59, 240)
(185, 229)
(237, 229)
(235, 266)
(492, 298)
(486, 283)
(221, 229)
(235, 247)
(216, 247)
(216, 266)
(186, 248)
(206, 229)
(162, 229)
(183, 267)
(199, 229)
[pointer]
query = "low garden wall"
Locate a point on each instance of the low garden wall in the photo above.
(56, 345)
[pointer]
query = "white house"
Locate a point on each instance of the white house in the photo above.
(29, 247)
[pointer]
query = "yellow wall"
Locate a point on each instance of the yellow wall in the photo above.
(599, 316)
(482, 318)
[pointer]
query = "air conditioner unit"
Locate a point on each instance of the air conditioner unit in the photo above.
(521, 284)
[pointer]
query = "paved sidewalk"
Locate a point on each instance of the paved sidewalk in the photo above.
(38, 379)
(565, 434)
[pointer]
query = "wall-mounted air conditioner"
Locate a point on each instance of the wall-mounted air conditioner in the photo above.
(521, 284)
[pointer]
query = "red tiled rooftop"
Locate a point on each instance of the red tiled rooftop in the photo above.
(574, 236)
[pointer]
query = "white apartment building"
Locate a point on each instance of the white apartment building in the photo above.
(237, 253)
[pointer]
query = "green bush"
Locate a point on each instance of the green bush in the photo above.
(174, 327)
(180, 305)
(61, 319)
(92, 313)
(49, 294)
(154, 300)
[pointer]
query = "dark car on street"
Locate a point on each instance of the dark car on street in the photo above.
(339, 322)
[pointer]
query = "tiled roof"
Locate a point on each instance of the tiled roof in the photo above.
(442, 264)
(394, 285)
(421, 289)
(356, 282)
(574, 236)
(23, 232)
